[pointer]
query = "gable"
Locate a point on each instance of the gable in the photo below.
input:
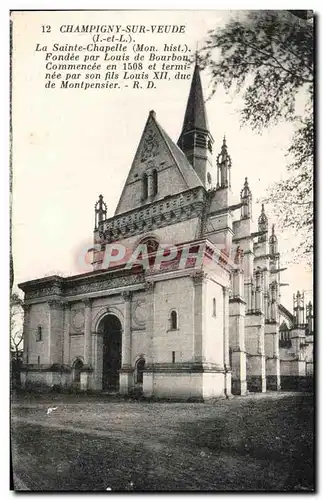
(156, 151)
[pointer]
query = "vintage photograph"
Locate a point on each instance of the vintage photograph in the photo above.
(162, 332)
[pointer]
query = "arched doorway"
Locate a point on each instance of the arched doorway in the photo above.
(111, 330)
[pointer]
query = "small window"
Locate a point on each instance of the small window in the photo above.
(38, 360)
(140, 371)
(173, 320)
(77, 367)
(155, 182)
(214, 307)
(39, 333)
(145, 187)
(173, 356)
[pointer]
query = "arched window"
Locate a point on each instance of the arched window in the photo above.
(77, 368)
(151, 244)
(140, 367)
(145, 187)
(155, 182)
(173, 320)
(39, 334)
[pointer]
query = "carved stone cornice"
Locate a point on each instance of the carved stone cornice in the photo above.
(86, 285)
(176, 208)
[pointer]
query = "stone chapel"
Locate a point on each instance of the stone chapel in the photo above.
(209, 328)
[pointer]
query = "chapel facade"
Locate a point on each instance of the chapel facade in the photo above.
(205, 322)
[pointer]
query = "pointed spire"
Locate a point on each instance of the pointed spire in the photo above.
(224, 165)
(263, 217)
(273, 237)
(246, 199)
(197, 54)
(224, 155)
(195, 140)
(245, 191)
(100, 209)
(263, 223)
(273, 241)
(195, 114)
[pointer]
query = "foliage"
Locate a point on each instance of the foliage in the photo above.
(293, 197)
(267, 57)
(16, 321)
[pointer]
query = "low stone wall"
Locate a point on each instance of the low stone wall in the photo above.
(44, 380)
(296, 383)
(184, 386)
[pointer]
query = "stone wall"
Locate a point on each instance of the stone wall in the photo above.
(178, 295)
(38, 316)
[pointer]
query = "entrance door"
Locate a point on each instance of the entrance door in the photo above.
(111, 329)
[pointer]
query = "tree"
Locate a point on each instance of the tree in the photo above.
(267, 57)
(16, 321)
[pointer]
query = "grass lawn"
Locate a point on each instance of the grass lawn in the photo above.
(91, 443)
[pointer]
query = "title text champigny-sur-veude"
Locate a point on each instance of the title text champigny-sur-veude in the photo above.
(120, 28)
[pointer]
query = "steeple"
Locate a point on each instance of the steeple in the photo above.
(195, 139)
(195, 115)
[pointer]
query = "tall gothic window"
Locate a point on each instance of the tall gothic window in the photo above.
(39, 333)
(173, 320)
(155, 182)
(145, 187)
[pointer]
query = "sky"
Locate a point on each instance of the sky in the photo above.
(71, 145)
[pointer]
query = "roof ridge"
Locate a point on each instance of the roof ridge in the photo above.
(168, 139)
